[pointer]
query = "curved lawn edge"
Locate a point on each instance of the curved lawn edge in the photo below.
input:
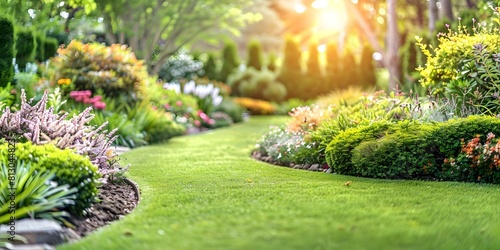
(204, 191)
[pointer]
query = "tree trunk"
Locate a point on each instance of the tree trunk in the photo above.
(433, 15)
(446, 10)
(392, 55)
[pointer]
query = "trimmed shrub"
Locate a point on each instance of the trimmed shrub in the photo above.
(254, 55)
(70, 168)
(6, 50)
(258, 85)
(333, 67)
(313, 68)
(40, 47)
(180, 66)
(271, 65)
(338, 152)
(210, 67)
(231, 108)
(230, 61)
(25, 47)
(350, 70)
(50, 47)
(368, 79)
(291, 72)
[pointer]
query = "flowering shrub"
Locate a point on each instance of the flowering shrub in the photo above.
(283, 146)
(41, 126)
(113, 69)
(307, 118)
(255, 106)
(476, 162)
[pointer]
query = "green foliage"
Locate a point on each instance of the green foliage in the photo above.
(291, 72)
(25, 47)
(368, 78)
(210, 67)
(453, 54)
(338, 152)
(36, 195)
(258, 85)
(6, 97)
(69, 167)
(403, 154)
(25, 80)
(313, 68)
(350, 70)
(333, 67)
(271, 65)
(230, 61)
(6, 50)
(232, 109)
(254, 55)
(40, 47)
(50, 47)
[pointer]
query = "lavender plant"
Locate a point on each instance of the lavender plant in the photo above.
(41, 125)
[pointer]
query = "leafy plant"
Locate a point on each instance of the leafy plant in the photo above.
(35, 194)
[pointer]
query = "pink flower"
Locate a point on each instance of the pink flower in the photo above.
(204, 116)
(178, 103)
(197, 123)
(154, 107)
(87, 93)
(211, 121)
(200, 112)
(97, 98)
(74, 94)
(167, 106)
(99, 105)
(79, 98)
(87, 100)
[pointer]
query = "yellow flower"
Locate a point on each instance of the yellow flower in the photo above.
(64, 81)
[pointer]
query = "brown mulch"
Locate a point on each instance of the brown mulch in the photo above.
(115, 201)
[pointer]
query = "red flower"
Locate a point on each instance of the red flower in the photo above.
(100, 105)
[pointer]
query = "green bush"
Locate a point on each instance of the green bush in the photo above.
(291, 72)
(6, 50)
(403, 154)
(254, 55)
(271, 65)
(50, 47)
(258, 85)
(230, 61)
(333, 67)
(338, 153)
(450, 57)
(234, 110)
(40, 47)
(368, 79)
(210, 67)
(350, 70)
(25, 47)
(69, 168)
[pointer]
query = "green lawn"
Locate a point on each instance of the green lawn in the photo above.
(205, 192)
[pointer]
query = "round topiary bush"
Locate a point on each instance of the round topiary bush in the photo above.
(6, 51)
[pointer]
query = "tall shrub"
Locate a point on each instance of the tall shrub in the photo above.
(291, 71)
(25, 47)
(230, 61)
(40, 47)
(6, 50)
(333, 67)
(271, 65)
(313, 68)
(50, 46)
(368, 78)
(210, 67)
(254, 55)
(350, 71)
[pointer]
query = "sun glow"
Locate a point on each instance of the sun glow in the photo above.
(333, 19)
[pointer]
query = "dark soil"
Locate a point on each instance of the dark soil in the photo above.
(115, 201)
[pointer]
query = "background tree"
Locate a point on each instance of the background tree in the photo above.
(333, 66)
(291, 70)
(156, 29)
(210, 67)
(25, 47)
(254, 57)
(313, 68)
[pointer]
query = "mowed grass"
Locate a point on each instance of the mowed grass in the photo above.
(205, 192)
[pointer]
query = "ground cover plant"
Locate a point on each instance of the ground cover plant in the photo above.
(241, 203)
